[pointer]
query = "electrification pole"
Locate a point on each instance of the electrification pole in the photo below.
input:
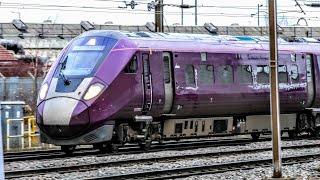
(181, 13)
(274, 89)
(196, 12)
(259, 5)
(35, 82)
(159, 16)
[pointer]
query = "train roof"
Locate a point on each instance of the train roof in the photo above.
(208, 42)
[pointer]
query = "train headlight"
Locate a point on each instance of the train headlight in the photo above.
(93, 91)
(43, 91)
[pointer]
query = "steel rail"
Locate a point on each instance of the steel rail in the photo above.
(128, 149)
(211, 169)
(97, 165)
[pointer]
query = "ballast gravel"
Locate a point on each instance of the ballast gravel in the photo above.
(134, 168)
(307, 171)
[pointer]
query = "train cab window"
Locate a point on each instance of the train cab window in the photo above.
(263, 74)
(196, 126)
(224, 74)
(186, 124)
(206, 74)
(132, 66)
(294, 74)
(244, 74)
(203, 125)
(283, 74)
(178, 128)
(190, 75)
(191, 124)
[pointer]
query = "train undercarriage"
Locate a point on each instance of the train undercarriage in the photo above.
(144, 130)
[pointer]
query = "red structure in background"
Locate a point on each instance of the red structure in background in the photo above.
(12, 65)
(5, 54)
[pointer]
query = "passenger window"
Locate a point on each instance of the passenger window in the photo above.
(294, 74)
(203, 125)
(191, 124)
(166, 69)
(224, 74)
(263, 74)
(293, 57)
(244, 73)
(132, 66)
(178, 128)
(190, 76)
(283, 75)
(206, 74)
(186, 124)
(196, 126)
(203, 56)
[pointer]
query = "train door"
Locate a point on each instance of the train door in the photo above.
(316, 70)
(168, 87)
(310, 79)
(146, 82)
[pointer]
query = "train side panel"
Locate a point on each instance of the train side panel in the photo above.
(198, 127)
(262, 123)
(239, 82)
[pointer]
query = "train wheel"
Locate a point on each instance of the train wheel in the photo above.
(102, 147)
(68, 149)
(292, 134)
(114, 148)
(306, 122)
(160, 141)
(255, 136)
(146, 145)
(317, 134)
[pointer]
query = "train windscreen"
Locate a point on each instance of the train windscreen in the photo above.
(85, 54)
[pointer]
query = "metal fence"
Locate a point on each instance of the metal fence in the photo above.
(63, 32)
(20, 89)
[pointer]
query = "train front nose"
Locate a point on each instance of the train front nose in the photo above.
(63, 117)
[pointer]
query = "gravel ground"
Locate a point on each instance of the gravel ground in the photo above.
(256, 173)
(300, 171)
(36, 164)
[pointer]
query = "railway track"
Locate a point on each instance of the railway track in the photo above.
(128, 149)
(169, 173)
(211, 169)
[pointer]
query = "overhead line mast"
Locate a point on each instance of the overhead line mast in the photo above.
(274, 90)
(159, 16)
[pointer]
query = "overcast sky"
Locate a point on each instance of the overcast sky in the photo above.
(220, 12)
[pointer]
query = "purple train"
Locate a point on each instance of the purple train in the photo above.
(112, 87)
